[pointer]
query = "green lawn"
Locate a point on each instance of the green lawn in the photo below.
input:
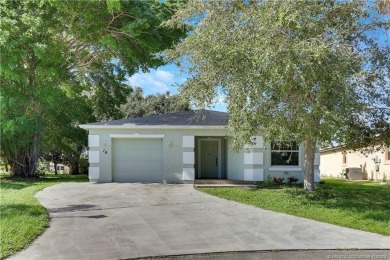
(359, 205)
(22, 218)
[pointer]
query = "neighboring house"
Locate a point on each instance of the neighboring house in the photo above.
(61, 168)
(180, 147)
(335, 160)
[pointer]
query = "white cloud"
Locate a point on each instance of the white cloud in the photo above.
(155, 81)
(164, 76)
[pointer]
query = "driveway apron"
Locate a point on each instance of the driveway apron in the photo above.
(123, 220)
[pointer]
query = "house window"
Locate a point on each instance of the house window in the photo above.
(284, 153)
(344, 158)
(387, 155)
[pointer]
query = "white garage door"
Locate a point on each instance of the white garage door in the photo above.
(137, 160)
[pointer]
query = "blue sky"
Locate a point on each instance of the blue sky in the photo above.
(163, 79)
(169, 78)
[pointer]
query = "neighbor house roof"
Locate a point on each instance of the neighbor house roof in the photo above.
(184, 119)
(332, 148)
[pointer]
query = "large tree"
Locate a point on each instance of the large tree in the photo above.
(84, 49)
(296, 70)
(139, 105)
(370, 130)
(62, 140)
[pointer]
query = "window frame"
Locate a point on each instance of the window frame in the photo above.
(344, 158)
(297, 150)
(387, 155)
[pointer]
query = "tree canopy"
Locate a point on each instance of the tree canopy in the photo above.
(65, 62)
(138, 105)
(295, 70)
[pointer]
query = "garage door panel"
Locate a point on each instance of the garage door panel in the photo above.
(137, 160)
(139, 175)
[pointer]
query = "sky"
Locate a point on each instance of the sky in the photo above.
(163, 79)
(169, 78)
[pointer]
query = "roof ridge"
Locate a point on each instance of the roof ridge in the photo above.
(179, 118)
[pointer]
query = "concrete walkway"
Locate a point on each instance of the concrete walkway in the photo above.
(119, 221)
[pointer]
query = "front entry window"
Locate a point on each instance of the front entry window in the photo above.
(284, 153)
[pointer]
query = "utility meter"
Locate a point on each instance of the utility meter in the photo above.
(377, 162)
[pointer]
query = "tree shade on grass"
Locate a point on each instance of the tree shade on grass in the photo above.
(358, 205)
(22, 217)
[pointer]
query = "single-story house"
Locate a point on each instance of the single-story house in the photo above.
(335, 161)
(184, 146)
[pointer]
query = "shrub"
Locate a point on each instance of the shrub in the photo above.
(40, 171)
(277, 181)
(292, 179)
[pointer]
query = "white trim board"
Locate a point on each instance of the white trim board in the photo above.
(188, 174)
(188, 141)
(87, 127)
(189, 158)
(93, 140)
(219, 155)
(285, 169)
(93, 173)
(254, 158)
(136, 136)
(253, 174)
(259, 142)
(93, 156)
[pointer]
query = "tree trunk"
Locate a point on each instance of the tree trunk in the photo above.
(309, 145)
(25, 162)
(55, 168)
(74, 165)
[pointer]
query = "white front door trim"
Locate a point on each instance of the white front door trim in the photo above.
(219, 155)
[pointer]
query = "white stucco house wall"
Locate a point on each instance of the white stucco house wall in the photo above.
(181, 147)
(335, 160)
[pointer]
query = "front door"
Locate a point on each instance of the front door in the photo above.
(209, 159)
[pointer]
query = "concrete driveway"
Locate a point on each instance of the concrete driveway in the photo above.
(116, 221)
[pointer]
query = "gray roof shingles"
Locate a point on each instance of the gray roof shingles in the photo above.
(184, 118)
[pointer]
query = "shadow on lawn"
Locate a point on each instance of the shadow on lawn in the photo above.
(366, 205)
(369, 201)
(19, 183)
(14, 185)
(18, 209)
(63, 178)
